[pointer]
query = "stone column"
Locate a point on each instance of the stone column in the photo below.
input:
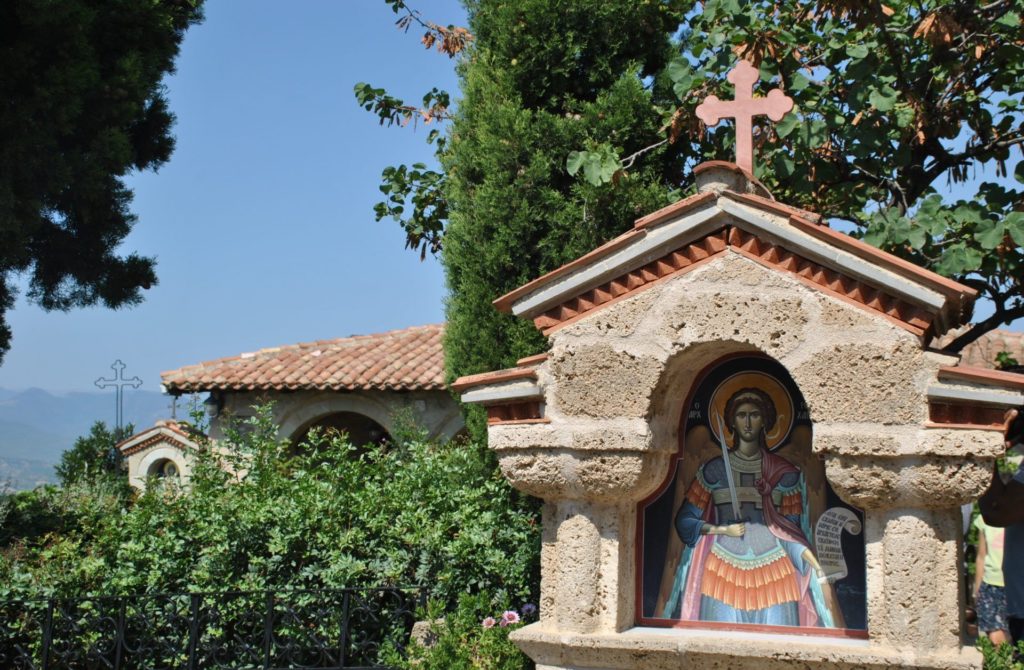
(589, 517)
(592, 568)
(914, 557)
(913, 526)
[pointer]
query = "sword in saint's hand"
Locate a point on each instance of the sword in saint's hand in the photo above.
(733, 498)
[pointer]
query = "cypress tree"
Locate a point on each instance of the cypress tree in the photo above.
(543, 79)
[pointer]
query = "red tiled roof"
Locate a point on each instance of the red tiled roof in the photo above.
(399, 360)
(982, 352)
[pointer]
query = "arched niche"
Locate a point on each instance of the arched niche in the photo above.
(296, 420)
(165, 468)
(763, 543)
(164, 462)
(359, 429)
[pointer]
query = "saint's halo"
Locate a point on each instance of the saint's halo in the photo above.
(776, 436)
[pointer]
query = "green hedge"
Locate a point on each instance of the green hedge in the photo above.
(408, 513)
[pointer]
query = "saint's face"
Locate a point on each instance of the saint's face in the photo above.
(748, 421)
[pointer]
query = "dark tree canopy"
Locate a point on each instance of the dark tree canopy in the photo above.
(84, 106)
(94, 456)
(574, 118)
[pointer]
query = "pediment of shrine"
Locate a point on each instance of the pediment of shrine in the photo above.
(724, 305)
(727, 216)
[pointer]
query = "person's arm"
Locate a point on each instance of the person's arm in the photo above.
(979, 562)
(1002, 504)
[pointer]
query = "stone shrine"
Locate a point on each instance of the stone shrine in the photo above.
(749, 453)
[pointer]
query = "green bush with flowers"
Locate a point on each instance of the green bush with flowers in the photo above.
(473, 636)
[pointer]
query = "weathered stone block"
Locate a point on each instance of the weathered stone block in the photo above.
(771, 322)
(575, 475)
(601, 381)
(923, 482)
(865, 383)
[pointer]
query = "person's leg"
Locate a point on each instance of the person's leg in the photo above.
(998, 637)
(990, 605)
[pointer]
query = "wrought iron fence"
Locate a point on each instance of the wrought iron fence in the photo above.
(343, 629)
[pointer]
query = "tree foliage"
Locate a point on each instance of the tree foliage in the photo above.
(94, 456)
(575, 119)
(896, 103)
(84, 106)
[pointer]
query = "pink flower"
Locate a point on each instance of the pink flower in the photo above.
(508, 618)
(489, 622)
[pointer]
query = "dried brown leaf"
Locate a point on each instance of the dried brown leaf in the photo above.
(938, 28)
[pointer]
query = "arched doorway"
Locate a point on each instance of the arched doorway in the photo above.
(361, 430)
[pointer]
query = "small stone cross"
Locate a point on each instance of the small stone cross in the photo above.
(744, 108)
(119, 382)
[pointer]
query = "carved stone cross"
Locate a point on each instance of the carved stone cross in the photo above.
(744, 108)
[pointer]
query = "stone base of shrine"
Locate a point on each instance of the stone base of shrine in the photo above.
(664, 649)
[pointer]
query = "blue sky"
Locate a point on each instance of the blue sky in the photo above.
(262, 221)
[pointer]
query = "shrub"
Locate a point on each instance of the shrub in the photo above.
(1001, 657)
(475, 636)
(325, 515)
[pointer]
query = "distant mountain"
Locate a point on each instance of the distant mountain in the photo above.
(36, 426)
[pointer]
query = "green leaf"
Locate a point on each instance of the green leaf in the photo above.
(610, 164)
(917, 236)
(592, 169)
(899, 229)
(682, 88)
(798, 82)
(958, 259)
(989, 234)
(814, 132)
(876, 236)
(1018, 172)
(788, 123)
(1014, 222)
(678, 69)
(883, 99)
(930, 205)
(574, 162)
(857, 51)
(967, 214)
(904, 115)
(784, 165)
(1009, 20)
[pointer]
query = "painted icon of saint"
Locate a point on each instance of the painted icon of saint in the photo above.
(745, 527)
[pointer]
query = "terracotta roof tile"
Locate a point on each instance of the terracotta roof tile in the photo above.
(982, 352)
(399, 360)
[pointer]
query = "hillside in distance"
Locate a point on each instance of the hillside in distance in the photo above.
(36, 426)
